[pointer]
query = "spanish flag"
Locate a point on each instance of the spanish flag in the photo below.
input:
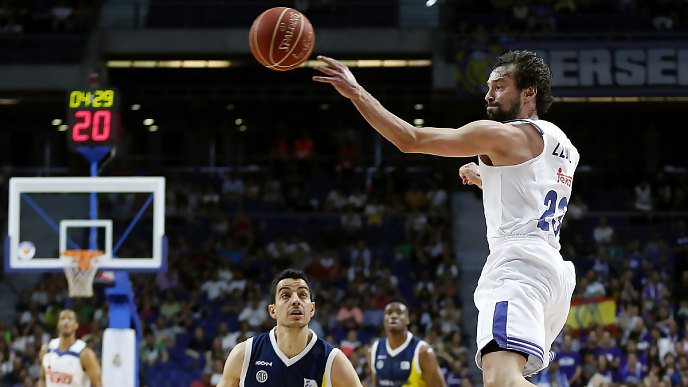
(588, 312)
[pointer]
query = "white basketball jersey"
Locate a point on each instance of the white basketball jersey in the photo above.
(531, 198)
(63, 368)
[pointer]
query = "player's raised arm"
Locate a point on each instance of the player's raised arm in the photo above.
(41, 379)
(232, 372)
(476, 138)
(343, 373)
(432, 374)
(90, 363)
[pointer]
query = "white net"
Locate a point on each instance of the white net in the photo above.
(80, 267)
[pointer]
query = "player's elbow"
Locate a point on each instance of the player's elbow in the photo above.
(408, 144)
(406, 147)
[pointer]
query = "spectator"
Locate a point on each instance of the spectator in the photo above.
(603, 372)
(168, 279)
(603, 231)
(415, 199)
(213, 286)
(336, 200)
(357, 200)
(255, 314)
(152, 351)
(437, 197)
(198, 345)
(610, 351)
(374, 211)
(551, 376)
(232, 187)
(350, 343)
(570, 362)
(170, 306)
(346, 166)
(350, 315)
(458, 376)
(643, 196)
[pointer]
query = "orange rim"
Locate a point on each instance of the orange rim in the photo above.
(83, 256)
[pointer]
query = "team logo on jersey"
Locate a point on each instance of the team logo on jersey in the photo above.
(117, 361)
(309, 383)
(261, 376)
(380, 364)
(405, 365)
(264, 363)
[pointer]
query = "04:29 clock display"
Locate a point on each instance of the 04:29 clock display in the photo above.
(93, 117)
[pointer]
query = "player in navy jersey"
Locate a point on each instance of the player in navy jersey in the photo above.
(526, 167)
(401, 359)
(289, 355)
(66, 361)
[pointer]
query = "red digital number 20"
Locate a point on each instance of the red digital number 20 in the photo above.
(96, 133)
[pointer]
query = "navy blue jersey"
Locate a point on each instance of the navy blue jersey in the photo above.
(266, 365)
(397, 367)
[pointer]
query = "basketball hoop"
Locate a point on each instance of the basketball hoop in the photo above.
(80, 267)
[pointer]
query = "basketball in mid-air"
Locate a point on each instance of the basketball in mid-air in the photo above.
(281, 38)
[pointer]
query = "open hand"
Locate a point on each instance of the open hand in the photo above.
(339, 76)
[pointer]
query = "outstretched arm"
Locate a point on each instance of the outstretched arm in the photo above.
(90, 363)
(476, 138)
(432, 374)
(343, 373)
(232, 372)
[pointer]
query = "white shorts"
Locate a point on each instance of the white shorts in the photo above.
(523, 299)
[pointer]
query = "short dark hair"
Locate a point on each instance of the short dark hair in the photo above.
(289, 273)
(398, 299)
(530, 70)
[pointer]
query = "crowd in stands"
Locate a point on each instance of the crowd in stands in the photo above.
(41, 16)
(359, 246)
(224, 252)
(504, 21)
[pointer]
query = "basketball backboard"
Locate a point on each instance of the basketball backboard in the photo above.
(122, 216)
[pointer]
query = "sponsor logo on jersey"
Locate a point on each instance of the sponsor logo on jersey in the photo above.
(405, 365)
(264, 363)
(261, 376)
(562, 178)
(59, 377)
(309, 383)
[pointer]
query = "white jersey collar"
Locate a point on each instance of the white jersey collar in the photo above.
(285, 359)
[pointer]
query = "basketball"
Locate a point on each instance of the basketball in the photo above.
(281, 38)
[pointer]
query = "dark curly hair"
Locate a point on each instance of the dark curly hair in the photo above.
(530, 70)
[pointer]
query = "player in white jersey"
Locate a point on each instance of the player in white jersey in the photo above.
(526, 172)
(66, 361)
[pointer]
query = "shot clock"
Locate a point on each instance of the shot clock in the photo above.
(93, 117)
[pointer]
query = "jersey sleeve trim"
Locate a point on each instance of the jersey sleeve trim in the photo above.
(328, 366)
(247, 360)
(373, 356)
(416, 357)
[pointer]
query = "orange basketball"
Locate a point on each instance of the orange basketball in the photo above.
(281, 38)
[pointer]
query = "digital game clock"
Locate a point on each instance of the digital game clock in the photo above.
(93, 117)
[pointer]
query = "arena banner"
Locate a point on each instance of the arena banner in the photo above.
(588, 312)
(589, 69)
